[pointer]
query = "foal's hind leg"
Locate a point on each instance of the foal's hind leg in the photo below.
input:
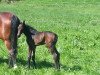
(56, 55)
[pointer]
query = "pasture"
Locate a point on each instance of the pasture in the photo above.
(77, 23)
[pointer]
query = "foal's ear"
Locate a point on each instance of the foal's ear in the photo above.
(24, 22)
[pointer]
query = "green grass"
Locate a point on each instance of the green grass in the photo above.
(77, 23)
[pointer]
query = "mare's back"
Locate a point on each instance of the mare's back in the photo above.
(5, 24)
(5, 16)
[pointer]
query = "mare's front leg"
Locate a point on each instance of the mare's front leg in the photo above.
(12, 54)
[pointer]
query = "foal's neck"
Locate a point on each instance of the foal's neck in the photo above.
(27, 32)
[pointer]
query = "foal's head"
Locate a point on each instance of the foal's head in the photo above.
(26, 29)
(21, 28)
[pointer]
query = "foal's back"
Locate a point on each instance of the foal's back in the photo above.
(45, 37)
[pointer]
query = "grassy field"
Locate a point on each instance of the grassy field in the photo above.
(77, 23)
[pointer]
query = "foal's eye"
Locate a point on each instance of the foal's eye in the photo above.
(19, 27)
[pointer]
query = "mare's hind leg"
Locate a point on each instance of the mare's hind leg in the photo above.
(56, 55)
(33, 58)
(12, 55)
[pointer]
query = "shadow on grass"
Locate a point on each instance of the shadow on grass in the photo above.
(3, 60)
(44, 64)
(72, 68)
(20, 61)
(39, 64)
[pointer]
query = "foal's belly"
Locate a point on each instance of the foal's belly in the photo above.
(38, 40)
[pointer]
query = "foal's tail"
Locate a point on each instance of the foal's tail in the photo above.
(57, 55)
(14, 29)
(55, 39)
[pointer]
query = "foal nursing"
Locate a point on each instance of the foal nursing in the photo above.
(35, 38)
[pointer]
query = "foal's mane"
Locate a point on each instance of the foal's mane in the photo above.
(30, 29)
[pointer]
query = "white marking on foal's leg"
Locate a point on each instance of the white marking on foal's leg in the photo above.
(15, 66)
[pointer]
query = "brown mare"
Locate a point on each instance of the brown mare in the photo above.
(35, 38)
(8, 33)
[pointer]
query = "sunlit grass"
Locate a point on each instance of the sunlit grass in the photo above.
(77, 24)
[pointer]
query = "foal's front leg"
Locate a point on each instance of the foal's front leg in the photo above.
(33, 57)
(29, 57)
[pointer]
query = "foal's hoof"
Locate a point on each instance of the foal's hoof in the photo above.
(57, 68)
(27, 67)
(34, 67)
(10, 66)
